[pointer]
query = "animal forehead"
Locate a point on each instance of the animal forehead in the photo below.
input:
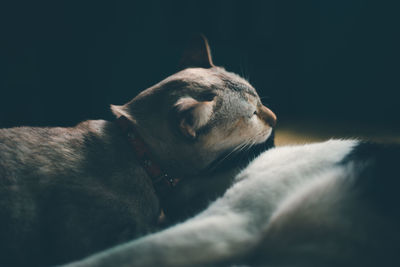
(216, 78)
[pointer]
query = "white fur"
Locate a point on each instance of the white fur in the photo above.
(283, 195)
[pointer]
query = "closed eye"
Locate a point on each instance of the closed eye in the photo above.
(252, 114)
(208, 96)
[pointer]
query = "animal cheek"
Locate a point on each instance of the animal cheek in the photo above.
(239, 128)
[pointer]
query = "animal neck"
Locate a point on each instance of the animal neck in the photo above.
(162, 181)
(144, 156)
(175, 156)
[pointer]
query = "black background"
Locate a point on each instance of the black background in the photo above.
(65, 61)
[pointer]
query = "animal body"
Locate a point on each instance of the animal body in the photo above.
(334, 203)
(69, 192)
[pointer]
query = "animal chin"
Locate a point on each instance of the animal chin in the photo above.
(239, 158)
(264, 136)
(268, 134)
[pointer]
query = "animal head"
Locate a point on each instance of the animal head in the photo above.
(199, 112)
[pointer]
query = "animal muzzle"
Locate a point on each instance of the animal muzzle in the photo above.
(267, 115)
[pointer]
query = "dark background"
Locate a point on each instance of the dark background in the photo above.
(65, 61)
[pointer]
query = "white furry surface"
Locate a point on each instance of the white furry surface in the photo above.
(292, 206)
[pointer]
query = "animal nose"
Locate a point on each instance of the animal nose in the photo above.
(268, 116)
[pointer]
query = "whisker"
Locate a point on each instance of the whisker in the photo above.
(239, 148)
(246, 67)
(224, 158)
(242, 71)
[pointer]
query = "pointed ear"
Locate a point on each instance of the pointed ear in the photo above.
(119, 111)
(192, 115)
(197, 54)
